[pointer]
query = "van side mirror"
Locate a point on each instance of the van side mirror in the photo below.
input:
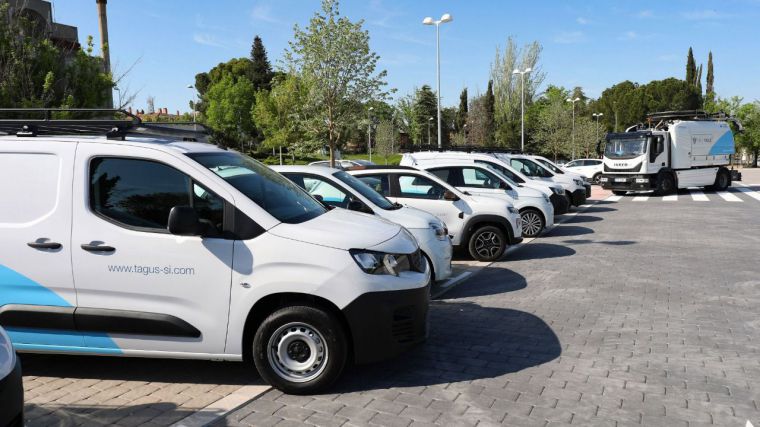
(450, 196)
(184, 221)
(358, 206)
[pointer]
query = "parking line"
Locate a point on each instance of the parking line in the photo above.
(698, 196)
(613, 198)
(223, 406)
(749, 192)
(641, 198)
(670, 198)
(728, 196)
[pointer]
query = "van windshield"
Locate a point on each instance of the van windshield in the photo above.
(273, 192)
(625, 148)
(366, 191)
(549, 165)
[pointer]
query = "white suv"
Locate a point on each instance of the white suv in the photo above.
(592, 169)
(536, 210)
(559, 170)
(339, 189)
(186, 250)
(484, 225)
(574, 187)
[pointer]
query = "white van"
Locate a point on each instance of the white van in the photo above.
(483, 225)
(536, 211)
(339, 189)
(575, 187)
(155, 247)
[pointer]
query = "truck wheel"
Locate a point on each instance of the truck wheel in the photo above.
(722, 180)
(532, 222)
(487, 243)
(665, 184)
(300, 349)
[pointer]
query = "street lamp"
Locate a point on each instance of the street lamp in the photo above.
(369, 132)
(191, 87)
(430, 21)
(522, 104)
(116, 88)
(573, 135)
(430, 119)
(596, 116)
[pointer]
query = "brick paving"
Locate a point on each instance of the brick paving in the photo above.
(636, 314)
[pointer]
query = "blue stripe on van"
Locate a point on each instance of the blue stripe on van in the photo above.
(15, 288)
(723, 146)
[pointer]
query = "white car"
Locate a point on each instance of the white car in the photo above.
(342, 164)
(339, 189)
(484, 225)
(592, 169)
(536, 210)
(555, 192)
(183, 249)
(560, 170)
(575, 187)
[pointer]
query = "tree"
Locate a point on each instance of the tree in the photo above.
(461, 116)
(490, 114)
(477, 127)
(710, 83)
(585, 136)
(749, 140)
(333, 56)
(425, 114)
(260, 72)
(691, 68)
(406, 119)
(385, 139)
(278, 114)
(229, 110)
(553, 133)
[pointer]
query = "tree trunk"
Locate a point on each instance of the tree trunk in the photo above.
(754, 157)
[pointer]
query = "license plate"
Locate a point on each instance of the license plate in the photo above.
(603, 179)
(620, 179)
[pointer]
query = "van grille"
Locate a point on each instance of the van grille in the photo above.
(635, 168)
(403, 325)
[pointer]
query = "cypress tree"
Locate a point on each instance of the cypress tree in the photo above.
(691, 68)
(710, 90)
(261, 71)
(490, 113)
(461, 118)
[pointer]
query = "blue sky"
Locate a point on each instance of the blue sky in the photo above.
(592, 44)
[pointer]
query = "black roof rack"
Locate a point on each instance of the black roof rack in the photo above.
(462, 148)
(113, 123)
(686, 115)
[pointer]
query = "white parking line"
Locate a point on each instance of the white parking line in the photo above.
(641, 198)
(670, 198)
(749, 192)
(223, 406)
(728, 196)
(698, 196)
(614, 198)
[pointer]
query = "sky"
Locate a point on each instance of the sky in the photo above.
(593, 44)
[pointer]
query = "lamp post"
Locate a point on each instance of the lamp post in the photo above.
(522, 104)
(369, 132)
(430, 21)
(573, 134)
(191, 87)
(596, 116)
(430, 119)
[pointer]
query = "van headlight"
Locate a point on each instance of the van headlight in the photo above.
(512, 210)
(558, 190)
(372, 262)
(7, 355)
(441, 232)
(578, 182)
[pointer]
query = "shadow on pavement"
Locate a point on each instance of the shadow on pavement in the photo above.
(467, 342)
(103, 415)
(540, 251)
(601, 242)
(139, 369)
(597, 209)
(568, 231)
(582, 218)
(490, 280)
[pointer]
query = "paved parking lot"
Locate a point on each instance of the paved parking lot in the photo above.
(628, 313)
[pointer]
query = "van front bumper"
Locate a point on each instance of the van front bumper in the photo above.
(12, 398)
(385, 324)
(578, 197)
(559, 203)
(626, 182)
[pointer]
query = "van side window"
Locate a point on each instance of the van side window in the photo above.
(140, 194)
(419, 187)
(379, 183)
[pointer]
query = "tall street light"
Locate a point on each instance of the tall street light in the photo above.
(191, 87)
(430, 119)
(369, 132)
(573, 135)
(597, 116)
(430, 21)
(522, 104)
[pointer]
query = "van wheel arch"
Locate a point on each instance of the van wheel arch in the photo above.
(271, 303)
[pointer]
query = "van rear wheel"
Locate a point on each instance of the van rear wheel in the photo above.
(722, 181)
(487, 243)
(300, 349)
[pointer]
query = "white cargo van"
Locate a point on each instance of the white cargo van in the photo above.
(153, 246)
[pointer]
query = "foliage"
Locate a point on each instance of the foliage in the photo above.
(385, 139)
(426, 114)
(749, 140)
(490, 111)
(34, 72)
(461, 115)
(553, 131)
(406, 121)
(333, 56)
(277, 113)
(691, 67)
(710, 87)
(477, 128)
(229, 109)
(260, 71)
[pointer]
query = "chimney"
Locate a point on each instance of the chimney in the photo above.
(104, 47)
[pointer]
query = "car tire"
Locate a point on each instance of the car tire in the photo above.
(595, 179)
(619, 192)
(487, 243)
(532, 222)
(300, 349)
(722, 181)
(665, 184)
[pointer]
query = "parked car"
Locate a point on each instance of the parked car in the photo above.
(592, 169)
(555, 191)
(560, 170)
(11, 388)
(342, 190)
(183, 249)
(342, 164)
(575, 187)
(536, 211)
(484, 225)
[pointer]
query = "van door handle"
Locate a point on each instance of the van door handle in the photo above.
(97, 248)
(44, 245)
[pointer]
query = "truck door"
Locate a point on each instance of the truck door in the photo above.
(658, 154)
(37, 296)
(142, 289)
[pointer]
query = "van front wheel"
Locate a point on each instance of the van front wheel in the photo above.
(300, 349)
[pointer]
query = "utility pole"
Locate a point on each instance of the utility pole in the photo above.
(522, 105)
(104, 47)
(573, 135)
(369, 132)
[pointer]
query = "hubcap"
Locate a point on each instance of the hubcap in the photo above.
(531, 224)
(487, 244)
(297, 352)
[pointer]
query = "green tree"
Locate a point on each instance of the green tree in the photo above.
(710, 82)
(260, 72)
(749, 140)
(425, 114)
(236, 68)
(229, 110)
(333, 55)
(553, 132)
(691, 68)
(490, 114)
(406, 119)
(385, 139)
(277, 113)
(461, 116)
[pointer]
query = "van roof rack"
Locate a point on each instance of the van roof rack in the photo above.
(462, 148)
(686, 115)
(113, 123)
